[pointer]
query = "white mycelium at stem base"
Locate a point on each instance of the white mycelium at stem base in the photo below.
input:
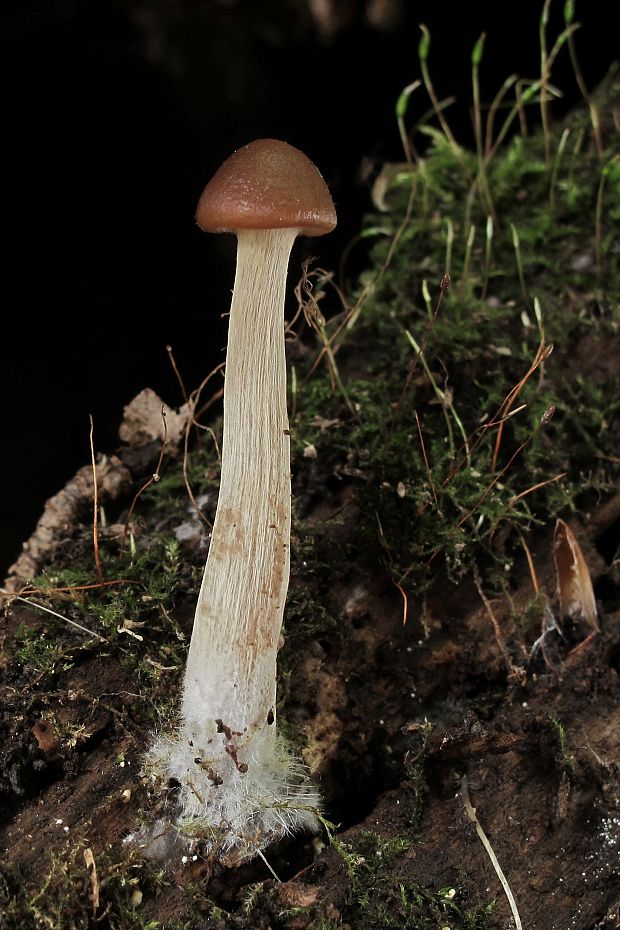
(239, 787)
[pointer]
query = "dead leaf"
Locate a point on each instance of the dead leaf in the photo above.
(575, 590)
(45, 734)
(142, 421)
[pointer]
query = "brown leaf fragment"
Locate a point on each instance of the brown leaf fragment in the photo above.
(575, 591)
(47, 739)
(295, 894)
(143, 424)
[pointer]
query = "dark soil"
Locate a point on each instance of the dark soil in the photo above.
(539, 751)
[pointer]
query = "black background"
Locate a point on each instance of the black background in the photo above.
(115, 114)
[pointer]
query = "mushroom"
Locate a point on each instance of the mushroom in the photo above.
(239, 785)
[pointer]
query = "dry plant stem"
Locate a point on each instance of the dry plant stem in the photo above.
(177, 373)
(403, 594)
(193, 422)
(514, 672)
(471, 813)
(535, 487)
(48, 610)
(530, 564)
(542, 354)
(147, 484)
(354, 312)
(226, 759)
(427, 466)
(74, 588)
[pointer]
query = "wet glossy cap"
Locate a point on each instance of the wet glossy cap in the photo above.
(267, 185)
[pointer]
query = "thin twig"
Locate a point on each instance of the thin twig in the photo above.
(512, 669)
(494, 481)
(268, 864)
(354, 312)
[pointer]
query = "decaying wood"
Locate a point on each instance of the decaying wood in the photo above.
(66, 510)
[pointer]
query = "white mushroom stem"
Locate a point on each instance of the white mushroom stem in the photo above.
(234, 777)
(231, 667)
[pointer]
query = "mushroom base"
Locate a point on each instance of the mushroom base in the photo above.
(236, 818)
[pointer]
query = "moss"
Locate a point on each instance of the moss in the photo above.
(36, 648)
(382, 895)
(65, 899)
(532, 615)
(432, 486)
(564, 756)
(414, 768)
(138, 594)
(169, 495)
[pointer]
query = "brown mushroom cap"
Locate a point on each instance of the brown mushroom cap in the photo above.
(267, 185)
